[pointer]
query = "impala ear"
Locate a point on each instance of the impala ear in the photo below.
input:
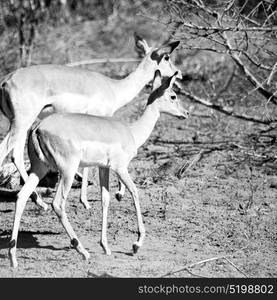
(168, 48)
(172, 79)
(141, 46)
(157, 81)
(157, 88)
(165, 49)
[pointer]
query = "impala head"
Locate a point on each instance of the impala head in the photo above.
(158, 58)
(165, 99)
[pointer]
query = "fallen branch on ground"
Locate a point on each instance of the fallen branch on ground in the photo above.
(230, 262)
(185, 268)
(188, 165)
(251, 152)
(8, 195)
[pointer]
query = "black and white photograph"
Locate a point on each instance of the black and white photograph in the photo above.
(138, 139)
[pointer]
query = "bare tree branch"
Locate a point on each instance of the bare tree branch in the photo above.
(227, 28)
(224, 110)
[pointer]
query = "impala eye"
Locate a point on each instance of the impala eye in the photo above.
(166, 57)
(173, 97)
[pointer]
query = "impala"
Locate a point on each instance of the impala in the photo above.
(63, 142)
(38, 91)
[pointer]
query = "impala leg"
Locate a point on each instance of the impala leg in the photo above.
(126, 179)
(121, 190)
(20, 204)
(15, 139)
(18, 160)
(59, 202)
(84, 189)
(105, 195)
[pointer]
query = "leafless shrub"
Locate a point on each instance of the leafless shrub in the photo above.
(245, 32)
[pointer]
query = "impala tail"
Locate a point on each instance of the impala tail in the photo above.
(37, 150)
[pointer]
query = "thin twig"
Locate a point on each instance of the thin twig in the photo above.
(215, 29)
(221, 109)
(247, 151)
(246, 71)
(186, 268)
(274, 70)
(187, 166)
(230, 262)
(193, 265)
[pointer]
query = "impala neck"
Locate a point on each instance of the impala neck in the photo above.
(126, 89)
(142, 128)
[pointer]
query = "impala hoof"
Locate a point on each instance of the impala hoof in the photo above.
(118, 197)
(135, 248)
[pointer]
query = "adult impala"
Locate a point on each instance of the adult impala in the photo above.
(44, 89)
(63, 142)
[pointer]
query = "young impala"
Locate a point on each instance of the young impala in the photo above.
(44, 89)
(65, 141)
